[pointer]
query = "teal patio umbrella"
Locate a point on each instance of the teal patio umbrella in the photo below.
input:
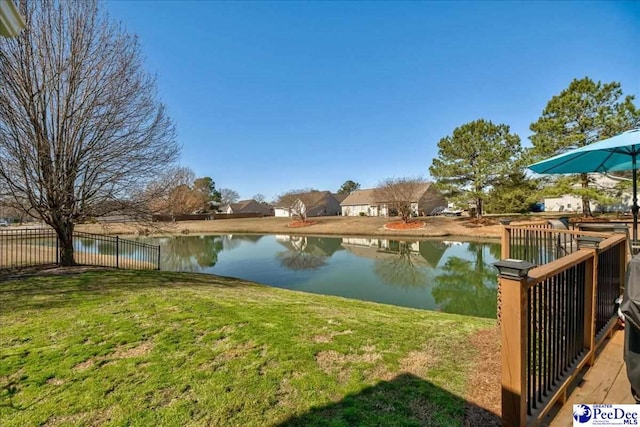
(618, 153)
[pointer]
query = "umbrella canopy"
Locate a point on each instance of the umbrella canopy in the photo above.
(618, 153)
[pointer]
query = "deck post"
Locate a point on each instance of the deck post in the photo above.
(591, 282)
(624, 259)
(513, 331)
(504, 242)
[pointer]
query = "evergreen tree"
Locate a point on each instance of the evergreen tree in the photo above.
(473, 159)
(349, 187)
(513, 193)
(584, 113)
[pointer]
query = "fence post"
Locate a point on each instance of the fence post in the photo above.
(158, 258)
(57, 250)
(623, 263)
(591, 280)
(117, 252)
(504, 243)
(514, 336)
(591, 293)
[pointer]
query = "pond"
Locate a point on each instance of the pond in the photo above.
(454, 277)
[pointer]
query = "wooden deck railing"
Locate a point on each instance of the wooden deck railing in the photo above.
(554, 316)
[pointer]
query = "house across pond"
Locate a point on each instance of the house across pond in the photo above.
(367, 202)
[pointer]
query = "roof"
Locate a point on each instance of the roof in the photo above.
(359, 197)
(309, 199)
(313, 198)
(238, 206)
(339, 197)
(421, 189)
(367, 197)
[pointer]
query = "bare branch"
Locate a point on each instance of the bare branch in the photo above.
(400, 194)
(81, 129)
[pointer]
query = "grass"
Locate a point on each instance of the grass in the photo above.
(145, 348)
(328, 225)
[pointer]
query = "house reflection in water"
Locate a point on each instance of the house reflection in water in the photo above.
(430, 251)
(306, 252)
(456, 277)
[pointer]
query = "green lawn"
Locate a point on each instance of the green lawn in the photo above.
(150, 348)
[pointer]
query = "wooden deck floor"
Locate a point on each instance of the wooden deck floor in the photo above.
(605, 382)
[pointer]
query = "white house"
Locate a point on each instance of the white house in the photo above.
(364, 202)
(314, 203)
(246, 206)
(281, 211)
(571, 203)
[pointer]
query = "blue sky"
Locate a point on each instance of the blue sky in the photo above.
(271, 96)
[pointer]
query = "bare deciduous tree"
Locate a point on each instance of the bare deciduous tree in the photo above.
(171, 192)
(298, 202)
(228, 195)
(81, 130)
(400, 194)
(260, 198)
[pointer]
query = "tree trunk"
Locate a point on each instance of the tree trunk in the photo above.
(405, 213)
(586, 205)
(64, 230)
(478, 208)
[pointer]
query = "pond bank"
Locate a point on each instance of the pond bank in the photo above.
(337, 226)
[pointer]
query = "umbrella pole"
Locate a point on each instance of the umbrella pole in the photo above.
(634, 208)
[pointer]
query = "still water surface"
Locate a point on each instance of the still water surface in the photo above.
(454, 277)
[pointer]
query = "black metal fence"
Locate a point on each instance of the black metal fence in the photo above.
(556, 333)
(610, 283)
(555, 316)
(21, 248)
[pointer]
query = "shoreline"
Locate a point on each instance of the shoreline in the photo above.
(435, 228)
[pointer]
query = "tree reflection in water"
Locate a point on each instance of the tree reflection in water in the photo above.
(190, 254)
(468, 287)
(402, 266)
(233, 241)
(411, 273)
(303, 253)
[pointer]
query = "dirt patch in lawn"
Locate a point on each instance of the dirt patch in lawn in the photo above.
(90, 418)
(140, 350)
(336, 363)
(327, 338)
(418, 362)
(83, 366)
(484, 392)
(331, 360)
